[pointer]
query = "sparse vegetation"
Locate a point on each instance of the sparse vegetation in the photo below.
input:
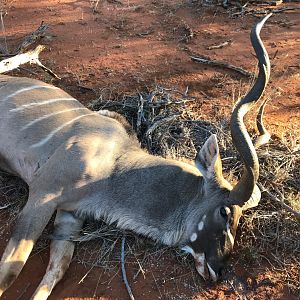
(267, 249)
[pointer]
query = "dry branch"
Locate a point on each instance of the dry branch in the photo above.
(124, 271)
(14, 62)
(219, 46)
(222, 65)
(31, 57)
(5, 50)
(258, 12)
(284, 205)
(33, 37)
(276, 11)
(157, 124)
(6, 206)
(140, 114)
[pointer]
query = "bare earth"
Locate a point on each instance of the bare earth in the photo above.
(129, 45)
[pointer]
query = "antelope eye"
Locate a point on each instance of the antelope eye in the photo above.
(223, 212)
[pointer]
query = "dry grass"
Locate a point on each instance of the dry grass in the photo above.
(268, 236)
(13, 195)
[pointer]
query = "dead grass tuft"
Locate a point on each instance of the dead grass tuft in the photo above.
(13, 195)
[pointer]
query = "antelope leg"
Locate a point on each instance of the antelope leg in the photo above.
(30, 224)
(67, 227)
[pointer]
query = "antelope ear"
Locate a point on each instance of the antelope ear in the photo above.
(208, 159)
(254, 200)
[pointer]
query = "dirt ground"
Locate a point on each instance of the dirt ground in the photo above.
(126, 46)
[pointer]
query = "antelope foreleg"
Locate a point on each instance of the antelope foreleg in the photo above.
(67, 227)
(29, 227)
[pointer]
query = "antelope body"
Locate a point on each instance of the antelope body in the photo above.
(80, 163)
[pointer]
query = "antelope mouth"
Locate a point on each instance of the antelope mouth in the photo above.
(204, 269)
(202, 266)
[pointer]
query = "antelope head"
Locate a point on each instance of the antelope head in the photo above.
(213, 237)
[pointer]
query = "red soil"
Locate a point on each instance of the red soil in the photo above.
(125, 47)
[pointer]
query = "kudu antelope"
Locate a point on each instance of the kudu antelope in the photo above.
(81, 163)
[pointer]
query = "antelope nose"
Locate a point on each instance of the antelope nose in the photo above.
(204, 268)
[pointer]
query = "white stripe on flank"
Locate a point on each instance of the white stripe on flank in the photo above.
(50, 101)
(51, 134)
(33, 87)
(51, 115)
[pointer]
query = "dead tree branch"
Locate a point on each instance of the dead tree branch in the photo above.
(33, 37)
(284, 205)
(31, 57)
(219, 46)
(222, 65)
(157, 124)
(5, 49)
(14, 62)
(274, 11)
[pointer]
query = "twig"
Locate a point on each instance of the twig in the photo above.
(3, 32)
(222, 45)
(142, 34)
(161, 297)
(123, 269)
(6, 206)
(275, 2)
(31, 57)
(276, 11)
(107, 104)
(158, 123)
(267, 11)
(95, 6)
(222, 64)
(33, 37)
(47, 69)
(140, 266)
(86, 274)
(284, 205)
(86, 88)
(20, 59)
(140, 114)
